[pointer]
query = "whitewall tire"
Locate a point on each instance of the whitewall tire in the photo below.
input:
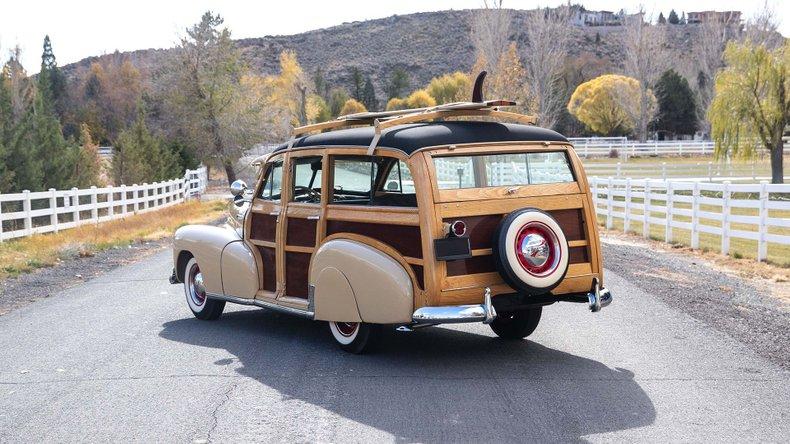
(356, 337)
(198, 301)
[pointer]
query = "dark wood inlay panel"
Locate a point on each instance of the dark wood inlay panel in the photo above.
(419, 274)
(404, 238)
(301, 232)
(269, 268)
(571, 223)
(578, 255)
(477, 264)
(263, 227)
(296, 269)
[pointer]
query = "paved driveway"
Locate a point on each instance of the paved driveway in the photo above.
(122, 358)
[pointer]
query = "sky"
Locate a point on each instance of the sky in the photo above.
(82, 28)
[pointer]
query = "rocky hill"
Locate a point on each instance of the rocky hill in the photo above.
(424, 44)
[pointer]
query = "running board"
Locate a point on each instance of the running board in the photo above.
(264, 304)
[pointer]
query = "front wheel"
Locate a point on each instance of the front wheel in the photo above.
(356, 337)
(516, 324)
(201, 305)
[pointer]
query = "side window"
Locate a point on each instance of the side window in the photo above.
(352, 179)
(399, 179)
(272, 182)
(307, 179)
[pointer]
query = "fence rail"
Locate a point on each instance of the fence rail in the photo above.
(28, 213)
(755, 212)
(603, 147)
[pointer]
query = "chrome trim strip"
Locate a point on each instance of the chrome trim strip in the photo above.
(309, 314)
(455, 314)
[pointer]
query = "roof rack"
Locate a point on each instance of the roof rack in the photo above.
(387, 119)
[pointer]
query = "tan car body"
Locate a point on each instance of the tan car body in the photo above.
(353, 277)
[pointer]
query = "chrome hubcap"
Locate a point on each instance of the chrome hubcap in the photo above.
(346, 328)
(197, 290)
(535, 249)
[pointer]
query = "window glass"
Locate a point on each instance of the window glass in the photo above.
(399, 179)
(352, 179)
(272, 182)
(307, 179)
(502, 170)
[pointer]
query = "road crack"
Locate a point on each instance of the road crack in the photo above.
(214, 420)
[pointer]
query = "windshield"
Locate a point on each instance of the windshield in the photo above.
(495, 170)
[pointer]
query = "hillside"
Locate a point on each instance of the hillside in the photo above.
(424, 44)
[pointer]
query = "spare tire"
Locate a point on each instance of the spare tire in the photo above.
(530, 251)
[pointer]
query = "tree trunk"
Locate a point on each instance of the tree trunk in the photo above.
(777, 169)
(231, 173)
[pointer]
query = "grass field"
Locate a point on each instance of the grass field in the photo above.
(26, 254)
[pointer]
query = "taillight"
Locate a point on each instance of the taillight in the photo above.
(458, 228)
(537, 248)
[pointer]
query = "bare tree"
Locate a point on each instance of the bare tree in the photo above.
(762, 28)
(490, 32)
(645, 52)
(548, 35)
(708, 49)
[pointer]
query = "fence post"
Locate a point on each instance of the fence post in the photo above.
(762, 243)
(75, 199)
(618, 170)
(111, 203)
(123, 199)
(646, 211)
(595, 194)
(26, 209)
(53, 206)
(145, 195)
(668, 216)
(725, 218)
(135, 198)
(94, 205)
(664, 170)
(609, 216)
(627, 210)
(710, 171)
(1, 221)
(695, 216)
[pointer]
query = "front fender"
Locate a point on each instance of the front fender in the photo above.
(357, 282)
(205, 243)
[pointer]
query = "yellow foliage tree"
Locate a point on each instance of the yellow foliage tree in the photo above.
(752, 102)
(317, 109)
(286, 88)
(608, 104)
(395, 104)
(420, 99)
(352, 107)
(448, 88)
(508, 81)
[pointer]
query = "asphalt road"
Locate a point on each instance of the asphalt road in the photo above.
(121, 358)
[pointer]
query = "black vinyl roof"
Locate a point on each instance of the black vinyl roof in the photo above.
(412, 137)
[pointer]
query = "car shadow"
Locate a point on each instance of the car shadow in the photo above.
(437, 384)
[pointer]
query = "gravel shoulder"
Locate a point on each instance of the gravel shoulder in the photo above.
(742, 299)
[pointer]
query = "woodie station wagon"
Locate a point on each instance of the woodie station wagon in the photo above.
(405, 219)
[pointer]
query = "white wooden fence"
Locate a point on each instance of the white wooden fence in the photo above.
(761, 212)
(602, 147)
(706, 171)
(27, 213)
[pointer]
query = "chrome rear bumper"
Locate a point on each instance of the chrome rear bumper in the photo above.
(455, 314)
(598, 297)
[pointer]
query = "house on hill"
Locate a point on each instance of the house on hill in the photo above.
(729, 17)
(583, 17)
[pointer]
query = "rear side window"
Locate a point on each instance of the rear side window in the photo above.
(353, 177)
(495, 170)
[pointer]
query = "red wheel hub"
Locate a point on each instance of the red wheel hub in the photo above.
(347, 328)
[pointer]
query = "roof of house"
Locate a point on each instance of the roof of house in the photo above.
(412, 137)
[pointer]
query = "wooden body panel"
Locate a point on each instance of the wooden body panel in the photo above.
(284, 252)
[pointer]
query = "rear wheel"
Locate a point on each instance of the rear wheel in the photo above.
(201, 305)
(356, 337)
(516, 324)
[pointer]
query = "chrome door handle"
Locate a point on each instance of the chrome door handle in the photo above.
(313, 217)
(274, 213)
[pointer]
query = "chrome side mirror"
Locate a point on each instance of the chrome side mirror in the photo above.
(238, 187)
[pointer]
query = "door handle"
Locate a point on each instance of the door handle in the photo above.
(274, 213)
(316, 217)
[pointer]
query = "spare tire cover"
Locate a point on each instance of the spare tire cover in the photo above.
(530, 251)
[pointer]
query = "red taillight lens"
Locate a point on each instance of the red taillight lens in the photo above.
(458, 228)
(537, 249)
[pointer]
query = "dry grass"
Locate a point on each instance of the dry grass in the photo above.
(44, 250)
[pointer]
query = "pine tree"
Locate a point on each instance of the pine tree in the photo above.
(141, 156)
(369, 96)
(51, 80)
(661, 19)
(676, 106)
(399, 83)
(49, 144)
(673, 18)
(357, 84)
(6, 119)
